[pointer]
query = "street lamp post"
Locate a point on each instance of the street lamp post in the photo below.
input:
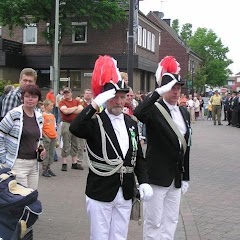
(130, 43)
(192, 69)
(56, 55)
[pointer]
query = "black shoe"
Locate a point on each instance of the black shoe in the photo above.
(46, 173)
(51, 173)
(64, 167)
(219, 124)
(77, 166)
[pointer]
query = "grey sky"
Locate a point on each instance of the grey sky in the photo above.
(221, 17)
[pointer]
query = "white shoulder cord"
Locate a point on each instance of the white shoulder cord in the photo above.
(118, 162)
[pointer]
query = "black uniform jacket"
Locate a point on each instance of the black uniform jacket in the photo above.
(100, 188)
(165, 159)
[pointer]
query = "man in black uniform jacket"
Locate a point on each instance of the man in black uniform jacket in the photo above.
(114, 156)
(167, 164)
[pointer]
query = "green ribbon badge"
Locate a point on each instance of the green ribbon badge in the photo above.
(133, 139)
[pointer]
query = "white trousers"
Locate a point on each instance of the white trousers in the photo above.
(161, 213)
(27, 172)
(109, 220)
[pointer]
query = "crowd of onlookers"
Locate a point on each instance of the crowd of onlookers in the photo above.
(58, 114)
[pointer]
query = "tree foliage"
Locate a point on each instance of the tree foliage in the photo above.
(206, 44)
(199, 80)
(215, 62)
(99, 14)
(175, 25)
(3, 83)
(186, 32)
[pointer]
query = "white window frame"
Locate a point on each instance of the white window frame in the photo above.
(73, 34)
(153, 43)
(149, 40)
(34, 26)
(144, 44)
(140, 35)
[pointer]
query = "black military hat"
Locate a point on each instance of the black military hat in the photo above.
(168, 77)
(120, 86)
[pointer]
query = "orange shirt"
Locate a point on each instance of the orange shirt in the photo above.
(50, 96)
(72, 103)
(49, 125)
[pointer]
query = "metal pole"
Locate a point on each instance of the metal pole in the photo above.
(56, 56)
(192, 77)
(130, 44)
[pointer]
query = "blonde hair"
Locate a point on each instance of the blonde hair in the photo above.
(29, 72)
(124, 75)
(47, 102)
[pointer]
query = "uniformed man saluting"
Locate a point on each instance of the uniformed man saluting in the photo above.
(114, 155)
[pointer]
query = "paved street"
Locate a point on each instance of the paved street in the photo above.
(210, 210)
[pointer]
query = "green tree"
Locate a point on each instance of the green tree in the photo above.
(215, 62)
(186, 32)
(199, 80)
(3, 83)
(175, 25)
(99, 14)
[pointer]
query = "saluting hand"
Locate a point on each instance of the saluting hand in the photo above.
(103, 97)
(166, 88)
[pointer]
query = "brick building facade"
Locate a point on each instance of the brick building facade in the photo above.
(77, 59)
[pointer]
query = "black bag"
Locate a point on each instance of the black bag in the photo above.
(19, 207)
(136, 212)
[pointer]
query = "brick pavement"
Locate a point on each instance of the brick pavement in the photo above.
(210, 210)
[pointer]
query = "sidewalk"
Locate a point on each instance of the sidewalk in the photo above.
(210, 210)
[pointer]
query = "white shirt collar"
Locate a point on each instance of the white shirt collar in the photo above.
(113, 117)
(170, 107)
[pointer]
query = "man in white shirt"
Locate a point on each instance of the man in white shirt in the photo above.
(167, 160)
(114, 155)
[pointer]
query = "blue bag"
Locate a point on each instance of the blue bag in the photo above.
(19, 207)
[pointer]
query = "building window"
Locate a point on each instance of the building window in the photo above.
(144, 44)
(153, 43)
(142, 82)
(148, 80)
(76, 82)
(139, 35)
(79, 32)
(30, 34)
(149, 40)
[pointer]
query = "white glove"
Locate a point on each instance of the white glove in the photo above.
(184, 187)
(103, 97)
(145, 191)
(165, 88)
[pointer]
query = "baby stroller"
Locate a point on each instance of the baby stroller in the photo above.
(19, 208)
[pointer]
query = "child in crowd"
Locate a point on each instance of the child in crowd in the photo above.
(209, 107)
(49, 138)
(40, 107)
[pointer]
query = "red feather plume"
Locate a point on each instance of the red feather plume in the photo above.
(105, 71)
(167, 65)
